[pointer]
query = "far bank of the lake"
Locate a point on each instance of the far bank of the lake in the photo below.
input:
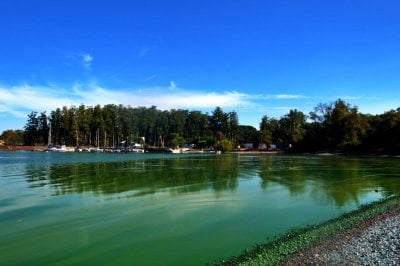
(241, 151)
(22, 148)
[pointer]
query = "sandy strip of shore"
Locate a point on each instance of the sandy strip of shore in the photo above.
(22, 148)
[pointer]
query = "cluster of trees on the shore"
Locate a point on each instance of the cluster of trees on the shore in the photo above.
(118, 125)
(329, 127)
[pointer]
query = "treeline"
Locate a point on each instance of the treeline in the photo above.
(335, 126)
(117, 125)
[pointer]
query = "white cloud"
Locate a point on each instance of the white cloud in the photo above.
(349, 97)
(151, 77)
(4, 109)
(172, 84)
(87, 60)
(18, 101)
(189, 100)
(79, 58)
(288, 96)
(97, 95)
(277, 96)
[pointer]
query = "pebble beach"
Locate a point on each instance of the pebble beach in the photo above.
(369, 235)
(375, 241)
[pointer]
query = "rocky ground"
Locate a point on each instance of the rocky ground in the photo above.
(375, 241)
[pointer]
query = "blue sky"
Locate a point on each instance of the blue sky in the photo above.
(254, 57)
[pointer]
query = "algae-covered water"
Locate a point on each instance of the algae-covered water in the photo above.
(152, 209)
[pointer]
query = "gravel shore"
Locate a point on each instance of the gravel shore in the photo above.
(375, 241)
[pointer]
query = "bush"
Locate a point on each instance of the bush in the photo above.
(225, 145)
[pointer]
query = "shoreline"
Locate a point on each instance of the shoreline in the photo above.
(22, 148)
(247, 152)
(373, 241)
(313, 244)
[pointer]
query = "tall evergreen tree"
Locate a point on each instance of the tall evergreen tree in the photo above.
(233, 126)
(31, 133)
(43, 128)
(219, 121)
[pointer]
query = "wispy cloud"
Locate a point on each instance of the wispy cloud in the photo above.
(86, 60)
(94, 95)
(4, 109)
(189, 100)
(172, 84)
(20, 100)
(277, 96)
(151, 77)
(143, 51)
(288, 96)
(82, 59)
(348, 97)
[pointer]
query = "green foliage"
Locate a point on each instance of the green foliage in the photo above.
(204, 142)
(334, 126)
(339, 126)
(224, 145)
(247, 134)
(384, 133)
(292, 127)
(111, 124)
(233, 126)
(12, 137)
(219, 121)
(31, 133)
(266, 130)
(177, 140)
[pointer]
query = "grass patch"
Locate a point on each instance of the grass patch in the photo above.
(295, 241)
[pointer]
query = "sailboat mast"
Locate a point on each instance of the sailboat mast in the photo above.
(49, 137)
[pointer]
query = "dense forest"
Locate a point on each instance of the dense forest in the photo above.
(336, 126)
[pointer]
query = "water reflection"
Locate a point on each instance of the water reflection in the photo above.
(142, 177)
(341, 179)
(338, 179)
(287, 172)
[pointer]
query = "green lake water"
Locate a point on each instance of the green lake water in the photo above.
(153, 209)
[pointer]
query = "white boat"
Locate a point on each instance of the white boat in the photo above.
(97, 149)
(62, 148)
(179, 150)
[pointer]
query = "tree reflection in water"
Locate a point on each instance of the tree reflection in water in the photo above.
(338, 178)
(142, 177)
